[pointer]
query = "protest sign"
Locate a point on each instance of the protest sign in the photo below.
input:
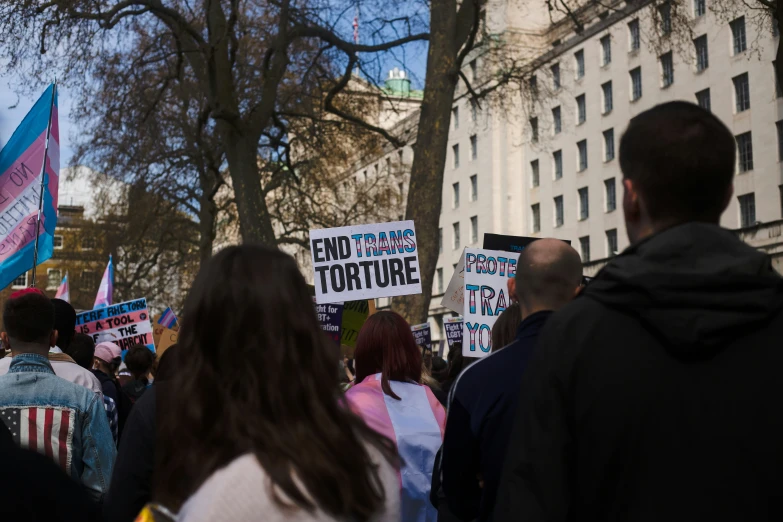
(486, 276)
(454, 297)
(124, 324)
(365, 262)
(355, 313)
(168, 338)
(330, 317)
(422, 334)
(453, 327)
(506, 243)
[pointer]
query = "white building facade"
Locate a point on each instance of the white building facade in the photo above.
(551, 169)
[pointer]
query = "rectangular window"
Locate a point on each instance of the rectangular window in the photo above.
(534, 130)
(636, 83)
(703, 99)
(702, 53)
(609, 145)
(455, 229)
(440, 240)
(579, 58)
(455, 117)
(608, 98)
(665, 12)
(611, 242)
(559, 211)
(533, 85)
(778, 90)
(738, 36)
(582, 153)
(667, 69)
(584, 245)
(473, 111)
(741, 92)
(699, 8)
(399, 156)
(779, 126)
(584, 204)
(534, 173)
(557, 156)
(53, 278)
(439, 278)
(555, 75)
(474, 187)
(88, 243)
(474, 230)
(388, 165)
(581, 109)
(611, 195)
(89, 280)
(455, 195)
(747, 204)
(455, 155)
(473, 148)
(536, 211)
(745, 150)
(634, 36)
(606, 50)
(20, 282)
(557, 120)
(473, 70)
(58, 242)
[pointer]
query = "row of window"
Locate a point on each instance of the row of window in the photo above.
(611, 245)
(455, 114)
(473, 191)
(87, 243)
(377, 167)
(610, 205)
(455, 238)
(739, 45)
(473, 151)
(54, 277)
(581, 158)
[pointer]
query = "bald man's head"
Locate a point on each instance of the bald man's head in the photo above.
(549, 273)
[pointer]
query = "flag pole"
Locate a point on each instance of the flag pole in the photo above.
(43, 179)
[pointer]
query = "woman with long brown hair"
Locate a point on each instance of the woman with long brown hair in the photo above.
(390, 398)
(255, 427)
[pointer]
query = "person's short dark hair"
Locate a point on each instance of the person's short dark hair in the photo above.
(29, 317)
(64, 323)
(82, 350)
(681, 159)
(139, 360)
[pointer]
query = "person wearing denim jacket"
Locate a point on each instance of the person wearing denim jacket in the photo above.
(46, 413)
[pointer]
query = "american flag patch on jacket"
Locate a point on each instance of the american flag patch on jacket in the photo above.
(47, 430)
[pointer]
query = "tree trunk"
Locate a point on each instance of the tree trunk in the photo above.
(426, 182)
(255, 223)
(207, 217)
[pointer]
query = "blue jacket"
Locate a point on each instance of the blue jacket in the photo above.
(59, 419)
(479, 424)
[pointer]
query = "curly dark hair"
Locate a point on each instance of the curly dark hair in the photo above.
(257, 376)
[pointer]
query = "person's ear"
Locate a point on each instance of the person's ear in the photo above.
(632, 207)
(6, 341)
(511, 285)
(53, 338)
(578, 290)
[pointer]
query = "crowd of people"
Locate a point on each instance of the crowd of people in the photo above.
(649, 394)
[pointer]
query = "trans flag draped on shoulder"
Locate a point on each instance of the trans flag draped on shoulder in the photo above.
(20, 189)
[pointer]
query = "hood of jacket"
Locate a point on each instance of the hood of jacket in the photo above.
(695, 286)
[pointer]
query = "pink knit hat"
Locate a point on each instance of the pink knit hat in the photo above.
(107, 352)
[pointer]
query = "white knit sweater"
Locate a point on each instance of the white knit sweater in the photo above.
(240, 492)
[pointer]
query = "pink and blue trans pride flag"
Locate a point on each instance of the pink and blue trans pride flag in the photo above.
(168, 319)
(106, 290)
(20, 189)
(416, 424)
(64, 291)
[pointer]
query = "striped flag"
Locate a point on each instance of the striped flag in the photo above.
(64, 291)
(106, 290)
(168, 319)
(47, 430)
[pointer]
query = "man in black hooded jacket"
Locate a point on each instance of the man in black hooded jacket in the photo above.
(658, 393)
